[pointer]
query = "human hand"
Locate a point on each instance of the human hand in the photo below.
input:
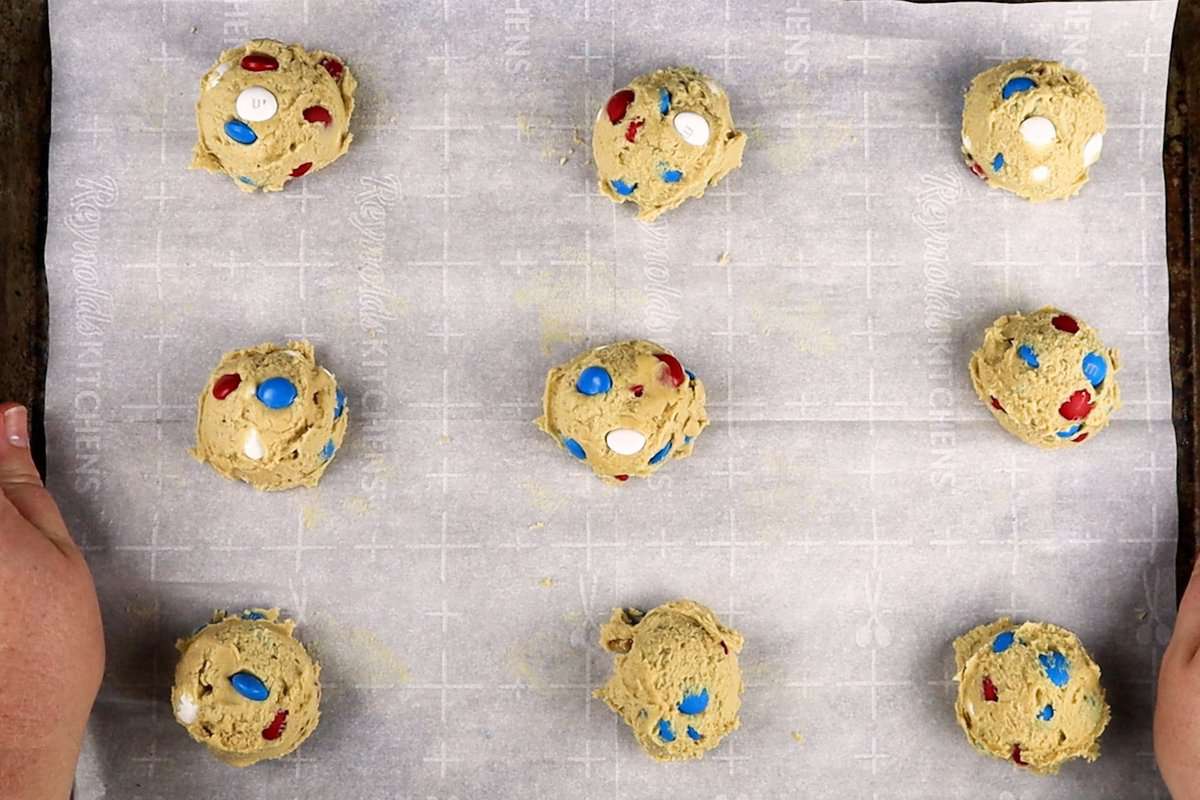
(1177, 712)
(51, 641)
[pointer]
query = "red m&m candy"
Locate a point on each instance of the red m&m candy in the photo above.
(226, 384)
(674, 368)
(318, 114)
(259, 62)
(618, 104)
(333, 67)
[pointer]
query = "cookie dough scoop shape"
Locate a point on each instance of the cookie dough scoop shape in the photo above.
(246, 688)
(270, 112)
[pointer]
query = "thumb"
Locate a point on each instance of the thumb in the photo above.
(20, 482)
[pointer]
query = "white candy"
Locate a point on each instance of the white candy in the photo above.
(625, 441)
(967, 144)
(1091, 150)
(256, 104)
(218, 73)
(1038, 131)
(187, 711)
(1040, 174)
(253, 447)
(692, 127)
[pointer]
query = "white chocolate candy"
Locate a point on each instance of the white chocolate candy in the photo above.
(253, 446)
(256, 104)
(1038, 131)
(187, 711)
(967, 144)
(692, 128)
(625, 441)
(1091, 150)
(218, 73)
(1040, 174)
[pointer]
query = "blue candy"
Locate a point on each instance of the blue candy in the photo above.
(998, 162)
(240, 132)
(1002, 642)
(246, 180)
(1026, 354)
(689, 439)
(694, 734)
(250, 686)
(253, 615)
(661, 454)
(691, 375)
(339, 404)
(276, 393)
(1095, 369)
(664, 731)
(575, 448)
(622, 188)
(694, 703)
(1017, 85)
(1069, 432)
(664, 101)
(672, 176)
(328, 450)
(593, 381)
(1055, 665)
(1047, 713)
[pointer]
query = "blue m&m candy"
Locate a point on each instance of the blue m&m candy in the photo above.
(664, 101)
(998, 162)
(276, 393)
(249, 686)
(1017, 85)
(1095, 369)
(661, 454)
(1054, 664)
(1002, 642)
(246, 180)
(1069, 432)
(1047, 713)
(253, 615)
(672, 176)
(593, 380)
(1026, 354)
(664, 731)
(693, 734)
(694, 703)
(339, 403)
(240, 132)
(328, 450)
(622, 188)
(575, 448)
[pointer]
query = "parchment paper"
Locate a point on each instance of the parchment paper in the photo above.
(852, 509)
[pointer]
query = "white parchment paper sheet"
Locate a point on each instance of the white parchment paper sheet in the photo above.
(852, 509)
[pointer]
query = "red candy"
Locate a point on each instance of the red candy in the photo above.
(277, 726)
(1016, 756)
(637, 389)
(989, 690)
(673, 367)
(333, 67)
(621, 478)
(318, 114)
(302, 169)
(259, 62)
(618, 104)
(226, 384)
(1078, 407)
(1080, 437)
(632, 131)
(978, 170)
(724, 647)
(996, 405)
(1065, 323)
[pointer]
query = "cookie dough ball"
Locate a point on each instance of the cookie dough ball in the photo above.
(1029, 693)
(271, 417)
(246, 688)
(665, 137)
(1047, 377)
(676, 680)
(1033, 127)
(270, 112)
(625, 408)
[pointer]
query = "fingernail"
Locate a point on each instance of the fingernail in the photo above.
(16, 426)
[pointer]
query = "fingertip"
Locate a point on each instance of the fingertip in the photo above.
(16, 460)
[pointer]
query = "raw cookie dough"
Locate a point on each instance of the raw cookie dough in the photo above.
(246, 688)
(269, 112)
(1046, 377)
(665, 137)
(625, 408)
(676, 680)
(1033, 127)
(271, 417)
(1029, 693)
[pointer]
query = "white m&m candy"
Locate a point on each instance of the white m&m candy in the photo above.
(256, 104)
(692, 128)
(625, 441)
